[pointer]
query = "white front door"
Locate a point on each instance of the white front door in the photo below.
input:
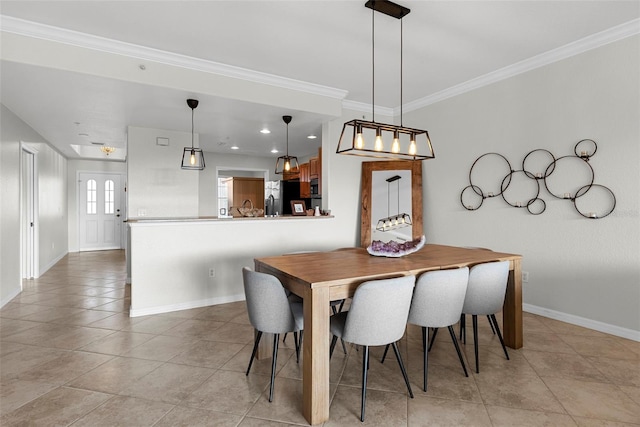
(99, 210)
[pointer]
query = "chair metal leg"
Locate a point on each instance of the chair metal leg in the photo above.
(475, 340)
(491, 324)
(297, 344)
(284, 337)
(276, 338)
(384, 355)
(455, 343)
(253, 353)
(300, 340)
(425, 360)
(365, 368)
(495, 322)
(463, 331)
(336, 311)
(334, 340)
(433, 337)
(404, 372)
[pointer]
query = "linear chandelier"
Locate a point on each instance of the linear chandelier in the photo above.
(367, 138)
(192, 158)
(286, 160)
(398, 220)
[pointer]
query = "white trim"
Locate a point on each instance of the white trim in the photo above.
(593, 41)
(367, 108)
(24, 146)
(11, 296)
(102, 44)
(584, 322)
(186, 305)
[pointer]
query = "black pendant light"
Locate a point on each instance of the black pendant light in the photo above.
(398, 220)
(192, 158)
(287, 163)
(366, 138)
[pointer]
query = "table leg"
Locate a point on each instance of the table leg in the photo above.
(315, 373)
(512, 309)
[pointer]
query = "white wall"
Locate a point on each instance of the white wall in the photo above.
(52, 215)
(156, 184)
(75, 166)
(586, 270)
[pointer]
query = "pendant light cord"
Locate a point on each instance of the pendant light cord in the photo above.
(400, 75)
(373, 64)
(192, 129)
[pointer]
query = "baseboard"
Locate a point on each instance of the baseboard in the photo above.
(584, 322)
(11, 296)
(51, 264)
(185, 306)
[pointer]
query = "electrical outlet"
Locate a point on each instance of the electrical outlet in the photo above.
(525, 277)
(212, 272)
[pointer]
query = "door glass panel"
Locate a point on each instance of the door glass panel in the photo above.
(109, 194)
(91, 197)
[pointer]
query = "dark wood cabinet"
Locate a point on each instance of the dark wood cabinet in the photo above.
(305, 181)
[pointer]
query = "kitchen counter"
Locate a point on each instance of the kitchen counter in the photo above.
(148, 220)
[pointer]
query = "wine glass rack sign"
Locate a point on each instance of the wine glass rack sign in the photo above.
(568, 178)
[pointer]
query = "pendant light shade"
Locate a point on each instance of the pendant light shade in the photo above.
(192, 158)
(373, 139)
(287, 163)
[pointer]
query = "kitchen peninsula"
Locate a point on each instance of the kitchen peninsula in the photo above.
(181, 263)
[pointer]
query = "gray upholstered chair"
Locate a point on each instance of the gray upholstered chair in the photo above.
(270, 311)
(437, 303)
(485, 296)
(377, 316)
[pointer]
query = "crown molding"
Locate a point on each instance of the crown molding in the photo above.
(366, 108)
(593, 41)
(61, 35)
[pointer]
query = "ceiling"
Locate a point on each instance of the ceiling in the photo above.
(320, 44)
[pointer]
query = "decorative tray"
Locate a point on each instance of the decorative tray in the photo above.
(393, 249)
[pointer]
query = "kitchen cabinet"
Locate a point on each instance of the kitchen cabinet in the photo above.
(240, 189)
(305, 181)
(314, 170)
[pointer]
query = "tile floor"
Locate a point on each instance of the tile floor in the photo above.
(70, 355)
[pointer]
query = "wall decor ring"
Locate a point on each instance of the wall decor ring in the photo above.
(584, 152)
(519, 180)
(495, 171)
(538, 174)
(536, 206)
(581, 165)
(583, 198)
(477, 192)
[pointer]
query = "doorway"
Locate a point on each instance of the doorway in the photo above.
(28, 207)
(100, 211)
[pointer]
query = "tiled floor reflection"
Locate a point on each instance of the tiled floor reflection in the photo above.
(71, 355)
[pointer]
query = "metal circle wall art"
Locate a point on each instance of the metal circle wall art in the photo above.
(568, 177)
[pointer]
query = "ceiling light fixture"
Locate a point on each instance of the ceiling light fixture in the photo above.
(235, 147)
(274, 150)
(287, 160)
(107, 150)
(265, 131)
(192, 158)
(311, 137)
(367, 137)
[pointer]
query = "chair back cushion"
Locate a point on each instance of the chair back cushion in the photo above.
(267, 303)
(438, 298)
(486, 289)
(379, 310)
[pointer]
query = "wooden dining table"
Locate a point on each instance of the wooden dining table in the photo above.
(321, 277)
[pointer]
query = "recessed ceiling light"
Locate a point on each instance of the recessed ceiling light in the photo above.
(274, 151)
(312, 137)
(83, 134)
(265, 130)
(235, 147)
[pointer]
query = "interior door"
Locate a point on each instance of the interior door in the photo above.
(100, 211)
